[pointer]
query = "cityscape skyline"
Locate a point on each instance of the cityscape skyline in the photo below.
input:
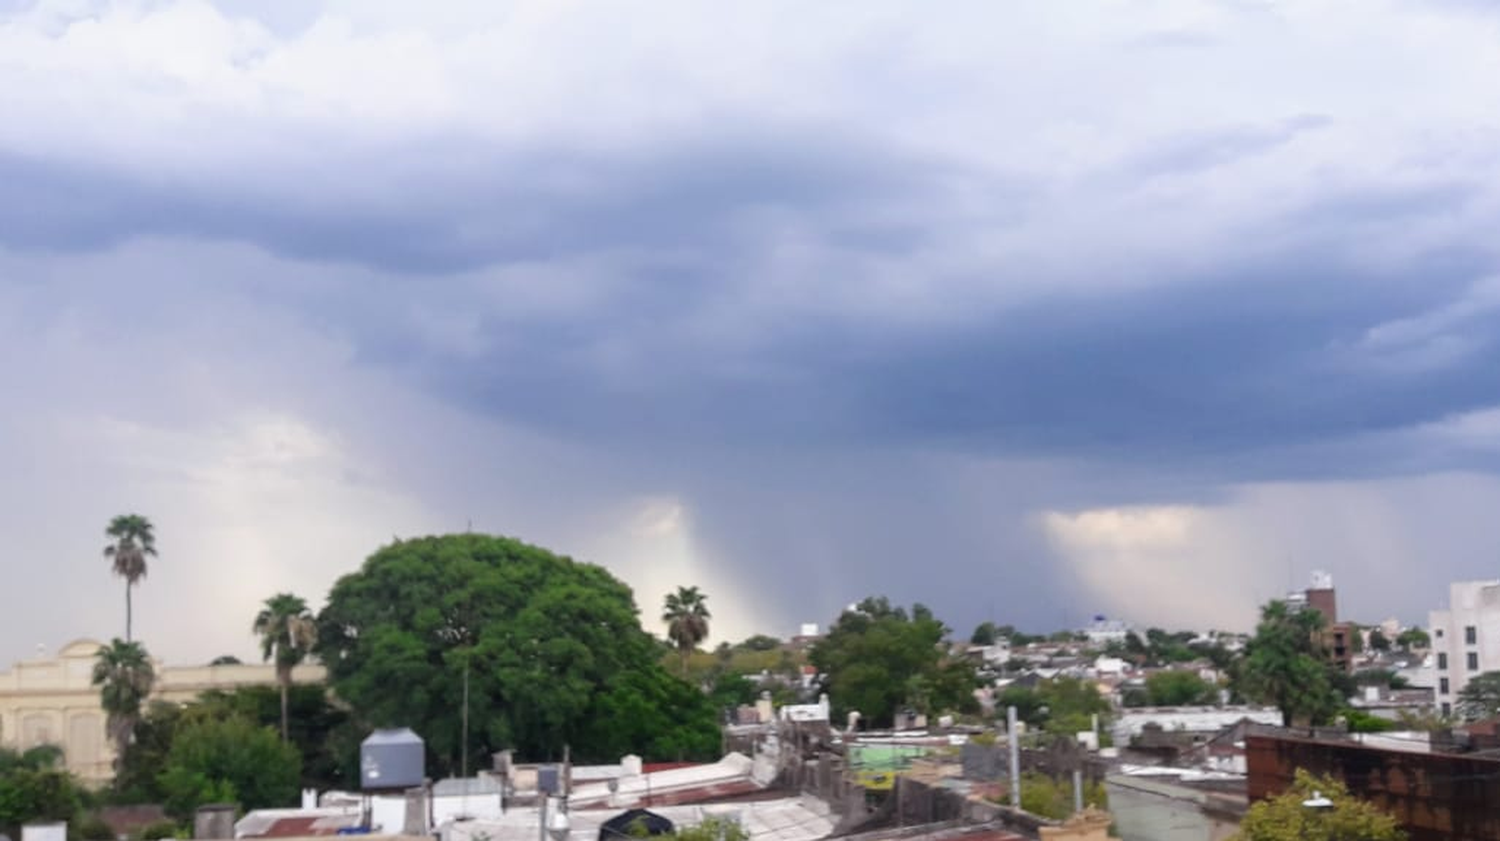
(1017, 312)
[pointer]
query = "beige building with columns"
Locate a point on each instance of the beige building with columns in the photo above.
(52, 700)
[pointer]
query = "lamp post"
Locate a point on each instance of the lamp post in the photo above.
(1318, 805)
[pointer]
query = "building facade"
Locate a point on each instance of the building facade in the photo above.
(1465, 638)
(54, 701)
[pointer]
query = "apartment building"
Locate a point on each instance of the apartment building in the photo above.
(1465, 638)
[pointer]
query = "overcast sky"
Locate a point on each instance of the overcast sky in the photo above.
(1028, 311)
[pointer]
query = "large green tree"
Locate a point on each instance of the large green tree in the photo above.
(287, 633)
(1317, 808)
(124, 674)
(553, 645)
(686, 614)
(132, 541)
(1285, 665)
(324, 734)
(215, 758)
(877, 658)
(1179, 687)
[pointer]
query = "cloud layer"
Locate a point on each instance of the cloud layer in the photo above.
(797, 304)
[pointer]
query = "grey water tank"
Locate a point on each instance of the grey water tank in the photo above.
(392, 759)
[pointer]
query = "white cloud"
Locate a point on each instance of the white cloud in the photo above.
(1392, 545)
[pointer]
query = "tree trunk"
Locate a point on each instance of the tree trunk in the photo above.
(683, 653)
(127, 610)
(285, 679)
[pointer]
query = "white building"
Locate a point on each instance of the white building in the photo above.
(1465, 638)
(1105, 631)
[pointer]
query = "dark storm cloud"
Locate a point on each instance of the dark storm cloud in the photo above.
(449, 207)
(1263, 360)
(1257, 356)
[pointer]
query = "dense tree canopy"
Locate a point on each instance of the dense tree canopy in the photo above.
(34, 787)
(877, 659)
(228, 759)
(323, 733)
(1285, 665)
(554, 647)
(1179, 687)
(1288, 817)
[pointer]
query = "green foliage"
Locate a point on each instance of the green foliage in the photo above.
(227, 760)
(713, 828)
(145, 758)
(124, 674)
(1285, 818)
(1379, 641)
(552, 644)
(877, 659)
(1061, 705)
(158, 830)
(91, 828)
(985, 634)
(33, 788)
(686, 614)
(731, 690)
(650, 712)
(324, 733)
(1179, 687)
(134, 541)
(1048, 798)
(1360, 721)
(1286, 666)
(287, 633)
(1413, 639)
(760, 642)
(1480, 697)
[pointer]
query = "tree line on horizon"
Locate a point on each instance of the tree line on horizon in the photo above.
(555, 658)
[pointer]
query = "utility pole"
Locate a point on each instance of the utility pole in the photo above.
(1015, 757)
(464, 763)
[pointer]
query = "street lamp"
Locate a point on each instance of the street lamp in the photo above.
(1318, 801)
(1318, 806)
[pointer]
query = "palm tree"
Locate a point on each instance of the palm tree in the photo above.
(287, 632)
(124, 672)
(686, 614)
(134, 540)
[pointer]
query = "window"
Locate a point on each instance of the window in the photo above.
(1447, 709)
(1473, 661)
(1438, 633)
(1442, 661)
(1443, 685)
(1470, 635)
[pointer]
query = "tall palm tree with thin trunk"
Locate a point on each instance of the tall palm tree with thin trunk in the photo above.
(125, 675)
(287, 632)
(686, 614)
(134, 541)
